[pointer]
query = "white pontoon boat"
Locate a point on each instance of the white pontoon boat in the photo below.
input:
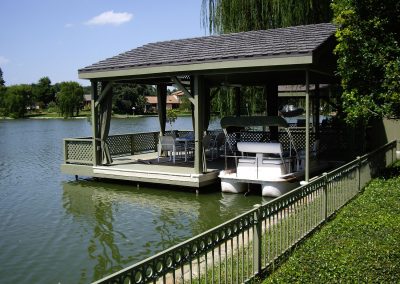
(263, 162)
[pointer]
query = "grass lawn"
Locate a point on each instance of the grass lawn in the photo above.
(360, 245)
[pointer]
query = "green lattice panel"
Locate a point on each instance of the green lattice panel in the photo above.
(143, 142)
(119, 144)
(79, 152)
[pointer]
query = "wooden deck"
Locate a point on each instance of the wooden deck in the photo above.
(146, 168)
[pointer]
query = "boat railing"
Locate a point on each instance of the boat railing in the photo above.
(297, 136)
(255, 242)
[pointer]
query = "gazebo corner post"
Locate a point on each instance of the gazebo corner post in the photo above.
(199, 113)
(162, 106)
(307, 150)
(104, 104)
(317, 105)
(271, 95)
(95, 124)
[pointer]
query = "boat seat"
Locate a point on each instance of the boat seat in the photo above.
(260, 147)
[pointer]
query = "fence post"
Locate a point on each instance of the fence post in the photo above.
(325, 175)
(257, 233)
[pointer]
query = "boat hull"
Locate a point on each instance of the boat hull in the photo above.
(276, 189)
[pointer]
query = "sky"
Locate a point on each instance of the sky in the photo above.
(55, 38)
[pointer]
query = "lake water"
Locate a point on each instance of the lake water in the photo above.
(54, 229)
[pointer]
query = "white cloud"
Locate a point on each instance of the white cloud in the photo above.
(68, 26)
(110, 18)
(3, 60)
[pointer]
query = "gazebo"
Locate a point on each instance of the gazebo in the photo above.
(299, 55)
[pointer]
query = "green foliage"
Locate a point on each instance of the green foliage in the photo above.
(185, 104)
(126, 96)
(16, 99)
(172, 115)
(53, 108)
(2, 82)
(368, 57)
(43, 92)
(225, 16)
(359, 246)
(70, 98)
(252, 101)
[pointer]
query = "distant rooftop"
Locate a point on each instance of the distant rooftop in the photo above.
(273, 43)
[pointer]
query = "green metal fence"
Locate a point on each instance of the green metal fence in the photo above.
(256, 241)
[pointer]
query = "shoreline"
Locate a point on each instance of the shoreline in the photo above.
(117, 116)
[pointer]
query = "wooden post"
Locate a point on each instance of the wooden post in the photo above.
(316, 105)
(307, 162)
(95, 124)
(161, 106)
(271, 91)
(199, 107)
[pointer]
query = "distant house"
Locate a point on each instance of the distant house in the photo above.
(87, 98)
(173, 101)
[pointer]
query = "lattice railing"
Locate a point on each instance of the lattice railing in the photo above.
(254, 242)
(130, 144)
(78, 151)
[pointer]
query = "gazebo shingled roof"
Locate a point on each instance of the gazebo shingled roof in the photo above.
(244, 46)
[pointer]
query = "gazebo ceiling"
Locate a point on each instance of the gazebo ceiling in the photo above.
(246, 58)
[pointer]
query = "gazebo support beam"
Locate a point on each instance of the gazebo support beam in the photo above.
(95, 124)
(162, 106)
(199, 110)
(182, 88)
(104, 93)
(307, 150)
(271, 90)
(316, 105)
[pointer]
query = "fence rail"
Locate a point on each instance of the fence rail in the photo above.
(256, 241)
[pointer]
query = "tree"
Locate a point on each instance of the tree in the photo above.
(2, 82)
(16, 100)
(43, 92)
(127, 96)
(226, 16)
(368, 53)
(70, 98)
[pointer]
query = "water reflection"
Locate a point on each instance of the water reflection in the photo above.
(122, 224)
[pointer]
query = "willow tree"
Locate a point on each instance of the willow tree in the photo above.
(226, 16)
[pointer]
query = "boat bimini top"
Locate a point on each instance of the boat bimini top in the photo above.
(248, 121)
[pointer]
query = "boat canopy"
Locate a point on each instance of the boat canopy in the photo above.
(246, 121)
